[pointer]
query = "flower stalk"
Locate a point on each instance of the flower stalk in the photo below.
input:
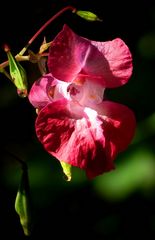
(44, 26)
(19, 57)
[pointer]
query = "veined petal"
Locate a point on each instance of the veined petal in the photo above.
(118, 69)
(73, 57)
(47, 89)
(78, 141)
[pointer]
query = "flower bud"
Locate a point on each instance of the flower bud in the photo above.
(22, 203)
(17, 73)
(89, 16)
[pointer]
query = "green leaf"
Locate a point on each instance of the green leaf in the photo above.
(23, 203)
(89, 16)
(17, 73)
(66, 170)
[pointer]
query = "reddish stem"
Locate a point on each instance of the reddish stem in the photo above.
(49, 21)
(73, 9)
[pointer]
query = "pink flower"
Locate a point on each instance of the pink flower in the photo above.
(75, 123)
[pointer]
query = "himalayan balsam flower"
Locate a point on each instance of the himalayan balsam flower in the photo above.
(75, 123)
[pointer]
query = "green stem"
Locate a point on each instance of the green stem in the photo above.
(18, 58)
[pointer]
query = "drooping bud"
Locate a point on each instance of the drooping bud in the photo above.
(66, 170)
(23, 204)
(89, 16)
(17, 73)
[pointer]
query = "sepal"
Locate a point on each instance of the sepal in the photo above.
(66, 170)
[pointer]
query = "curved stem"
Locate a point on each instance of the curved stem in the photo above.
(44, 26)
(20, 57)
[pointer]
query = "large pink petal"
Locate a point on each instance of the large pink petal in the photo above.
(107, 63)
(78, 141)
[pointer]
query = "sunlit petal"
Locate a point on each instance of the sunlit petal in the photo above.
(106, 63)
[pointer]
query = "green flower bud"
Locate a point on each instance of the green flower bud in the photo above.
(22, 203)
(17, 74)
(89, 16)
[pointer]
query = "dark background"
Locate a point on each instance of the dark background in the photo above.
(119, 204)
